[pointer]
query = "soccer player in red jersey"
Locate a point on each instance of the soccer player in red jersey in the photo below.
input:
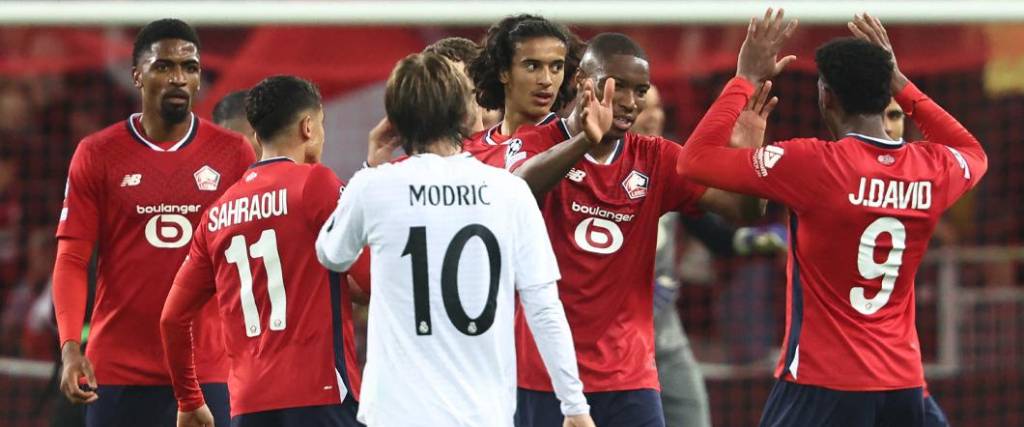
(286, 320)
(893, 118)
(862, 210)
(135, 192)
(602, 212)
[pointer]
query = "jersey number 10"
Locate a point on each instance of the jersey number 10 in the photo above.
(416, 246)
(266, 247)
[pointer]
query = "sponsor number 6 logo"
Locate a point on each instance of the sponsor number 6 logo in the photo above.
(599, 236)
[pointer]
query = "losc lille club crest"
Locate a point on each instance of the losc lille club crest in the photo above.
(207, 179)
(635, 185)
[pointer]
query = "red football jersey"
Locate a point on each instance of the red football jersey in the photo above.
(603, 223)
(286, 320)
(862, 211)
(140, 201)
(490, 147)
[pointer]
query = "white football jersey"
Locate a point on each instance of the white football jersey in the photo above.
(449, 238)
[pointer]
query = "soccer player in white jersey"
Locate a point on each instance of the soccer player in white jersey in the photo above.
(449, 236)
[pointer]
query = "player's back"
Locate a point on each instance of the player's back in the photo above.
(868, 210)
(281, 310)
(443, 234)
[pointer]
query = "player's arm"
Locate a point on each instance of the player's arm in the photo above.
(76, 233)
(320, 196)
(343, 236)
(544, 170)
(382, 143)
(536, 272)
(936, 124)
(193, 286)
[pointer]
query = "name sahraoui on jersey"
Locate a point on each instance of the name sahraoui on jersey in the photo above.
(246, 209)
(447, 195)
(877, 193)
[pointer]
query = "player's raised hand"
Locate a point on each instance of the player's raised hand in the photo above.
(582, 420)
(383, 141)
(869, 28)
(750, 126)
(596, 116)
(758, 60)
(76, 367)
(201, 417)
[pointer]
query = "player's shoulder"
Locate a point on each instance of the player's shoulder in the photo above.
(115, 133)
(802, 145)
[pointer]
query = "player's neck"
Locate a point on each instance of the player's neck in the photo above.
(872, 126)
(297, 154)
(514, 119)
(158, 130)
(441, 148)
(601, 152)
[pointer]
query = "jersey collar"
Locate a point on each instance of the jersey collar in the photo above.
(277, 159)
(616, 152)
(137, 134)
(489, 135)
(877, 142)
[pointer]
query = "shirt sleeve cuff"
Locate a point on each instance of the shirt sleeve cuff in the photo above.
(191, 404)
(570, 409)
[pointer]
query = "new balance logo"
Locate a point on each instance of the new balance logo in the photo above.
(576, 175)
(131, 180)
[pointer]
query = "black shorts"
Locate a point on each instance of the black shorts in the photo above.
(797, 405)
(130, 405)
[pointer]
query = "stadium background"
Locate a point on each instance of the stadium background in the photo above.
(63, 76)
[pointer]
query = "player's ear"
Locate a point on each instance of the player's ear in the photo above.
(136, 77)
(306, 127)
(503, 76)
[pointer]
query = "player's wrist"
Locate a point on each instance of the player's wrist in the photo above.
(70, 348)
(191, 405)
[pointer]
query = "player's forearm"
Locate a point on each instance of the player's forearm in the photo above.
(331, 250)
(546, 317)
(936, 123)
(176, 331)
(705, 157)
(71, 287)
(543, 171)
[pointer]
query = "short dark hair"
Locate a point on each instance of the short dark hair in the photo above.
(458, 49)
(859, 73)
(231, 106)
(607, 44)
(168, 28)
(499, 46)
(275, 103)
(426, 100)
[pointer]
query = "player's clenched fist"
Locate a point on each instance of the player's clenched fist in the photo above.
(582, 420)
(77, 366)
(201, 417)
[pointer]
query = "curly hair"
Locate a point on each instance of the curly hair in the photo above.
(162, 29)
(275, 103)
(858, 72)
(499, 46)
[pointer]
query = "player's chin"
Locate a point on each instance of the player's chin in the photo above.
(613, 134)
(174, 113)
